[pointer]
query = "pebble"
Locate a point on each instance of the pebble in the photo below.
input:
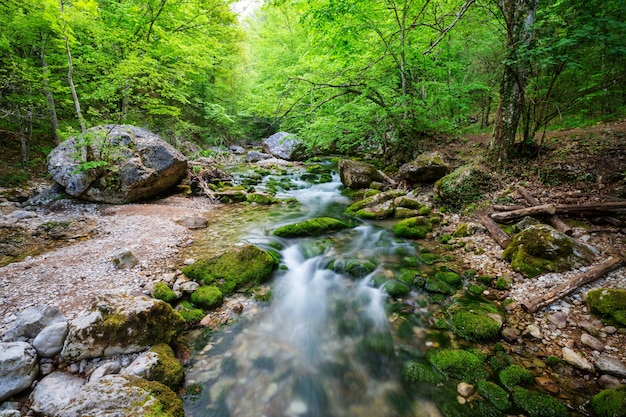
(559, 319)
(610, 365)
(609, 381)
(298, 407)
(465, 390)
(534, 331)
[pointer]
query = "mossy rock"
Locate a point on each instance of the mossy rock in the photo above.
(465, 185)
(379, 342)
(396, 289)
(313, 248)
(163, 292)
(355, 267)
(241, 267)
(495, 394)
(413, 228)
(451, 278)
(167, 369)
(189, 313)
(260, 199)
(232, 195)
(610, 402)
(435, 285)
(430, 258)
(414, 372)
(316, 169)
(609, 303)
(312, 227)
(378, 206)
(405, 213)
(541, 249)
(515, 375)
(538, 404)
(475, 319)
(207, 297)
(458, 364)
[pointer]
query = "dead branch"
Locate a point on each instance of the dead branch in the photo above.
(503, 217)
(554, 220)
(494, 230)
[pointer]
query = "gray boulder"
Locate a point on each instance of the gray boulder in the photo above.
(120, 323)
(116, 164)
(357, 174)
(284, 145)
(30, 322)
(49, 342)
(54, 392)
(18, 368)
(255, 156)
(426, 168)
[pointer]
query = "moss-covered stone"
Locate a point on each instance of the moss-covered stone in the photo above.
(165, 402)
(465, 185)
(378, 206)
(413, 228)
(313, 248)
(312, 227)
(515, 375)
(207, 297)
(396, 289)
(503, 283)
(430, 258)
(610, 402)
(435, 285)
(355, 267)
(163, 292)
(458, 364)
(239, 268)
(476, 320)
(540, 249)
(189, 313)
(461, 231)
(260, 198)
(538, 404)
(449, 277)
(167, 369)
(495, 394)
(609, 303)
(420, 372)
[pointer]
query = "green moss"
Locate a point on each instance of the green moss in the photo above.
(315, 169)
(461, 231)
(407, 276)
(189, 313)
(475, 325)
(445, 238)
(413, 228)
(260, 198)
(166, 403)
(538, 404)
(420, 372)
(311, 227)
(502, 283)
(499, 361)
(515, 375)
(241, 267)
(379, 342)
(451, 278)
(355, 267)
(168, 369)
(325, 178)
(207, 297)
(495, 394)
(432, 284)
(553, 360)
(430, 258)
(609, 303)
(163, 292)
(610, 402)
(396, 289)
(458, 364)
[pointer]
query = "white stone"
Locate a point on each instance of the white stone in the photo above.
(575, 359)
(107, 368)
(18, 368)
(54, 392)
(49, 342)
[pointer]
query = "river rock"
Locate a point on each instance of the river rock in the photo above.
(128, 164)
(428, 167)
(18, 368)
(547, 384)
(378, 206)
(237, 150)
(49, 342)
(255, 156)
(118, 396)
(559, 319)
(575, 359)
(357, 174)
(31, 321)
(54, 392)
(465, 185)
(120, 323)
(591, 342)
(609, 381)
(157, 364)
(106, 368)
(286, 146)
(124, 259)
(611, 366)
(465, 390)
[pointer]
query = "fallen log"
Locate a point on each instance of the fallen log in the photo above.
(494, 230)
(499, 207)
(553, 219)
(599, 207)
(506, 216)
(574, 283)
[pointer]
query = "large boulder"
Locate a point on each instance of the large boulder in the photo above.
(119, 324)
(284, 145)
(18, 368)
(30, 321)
(55, 392)
(116, 164)
(426, 168)
(358, 174)
(540, 249)
(463, 186)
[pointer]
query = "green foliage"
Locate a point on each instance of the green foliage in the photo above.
(610, 402)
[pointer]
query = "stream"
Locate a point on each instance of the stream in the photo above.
(324, 344)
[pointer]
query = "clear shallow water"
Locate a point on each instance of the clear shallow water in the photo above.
(324, 345)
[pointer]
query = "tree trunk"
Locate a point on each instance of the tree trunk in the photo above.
(519, 17)
(70, 78)
(54, 120)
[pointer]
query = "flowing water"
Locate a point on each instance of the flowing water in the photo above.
(323, 345)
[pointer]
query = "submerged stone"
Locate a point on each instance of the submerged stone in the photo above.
(539, 249)
(312, 227)
(413, 228)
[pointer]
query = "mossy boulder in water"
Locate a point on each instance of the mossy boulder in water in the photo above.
(377, 206)
(414, 372)
(261, 199)
(356, 267)
(458, 364)
(120, 324)
(610, 402)
(540, 249)
(538, 404)
(413, 228)
(240, 267)
(475, 320)
(609, 303)
(312, 227)
(163, 292)
(465, 185)
(157, 364)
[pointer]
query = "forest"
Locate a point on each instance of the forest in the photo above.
(375, 77)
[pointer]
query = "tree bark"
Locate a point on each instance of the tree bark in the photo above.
(554, 220)
(505, 216)
(70, 77)
(519, 17)
(494, 230)
(54, 120)
(570, 286)
(597, 208)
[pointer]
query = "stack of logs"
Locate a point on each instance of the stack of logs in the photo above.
(610, 210)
